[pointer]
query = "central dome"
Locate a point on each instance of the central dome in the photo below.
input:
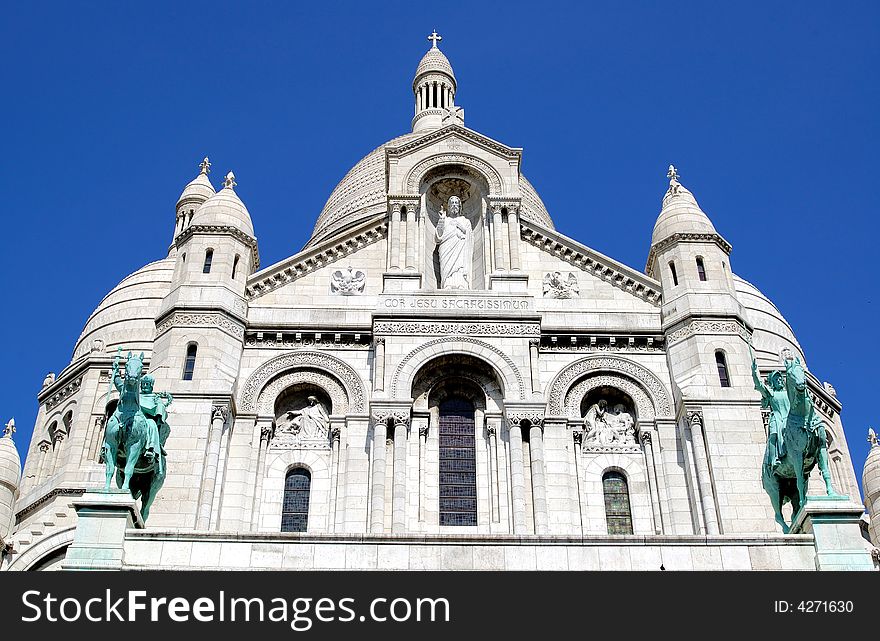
(361, 195)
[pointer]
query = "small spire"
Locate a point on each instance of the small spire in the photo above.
(229, 182)
(872, 438)
(435, 38)
(10, 429)
(674, 185)
(205, 166)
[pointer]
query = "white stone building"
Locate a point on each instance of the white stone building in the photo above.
(455, 434)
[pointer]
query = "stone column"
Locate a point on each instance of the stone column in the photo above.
(411, 237)
(379, 366)
(394, 238)
(498, 235)
(517, 478)
(492, 425)
(398, 497)
(701, 463)
(513, 233)
(219, 414)
(266, 430)
(539, 486)
(334, 476)
(648, 449)
(423, 441)
(377, 496)
(534, 343)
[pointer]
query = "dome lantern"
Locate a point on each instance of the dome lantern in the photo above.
(434, 90)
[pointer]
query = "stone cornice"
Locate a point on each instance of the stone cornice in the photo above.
(229, 230)
(684, 238)
(511, 153)
(621, 276)
(315, 258)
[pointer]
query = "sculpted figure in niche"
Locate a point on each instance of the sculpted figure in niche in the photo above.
(594, 423)
(603, 427)
(454, 238)
(623, 426)
(309, 422)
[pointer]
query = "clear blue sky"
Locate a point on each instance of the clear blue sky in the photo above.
(770, 110)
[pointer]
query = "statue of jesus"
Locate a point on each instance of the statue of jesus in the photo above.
(454, 238)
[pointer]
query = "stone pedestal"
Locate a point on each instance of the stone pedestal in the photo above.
(401, 281)
(509, 282)
(834, 523)
(102, 518)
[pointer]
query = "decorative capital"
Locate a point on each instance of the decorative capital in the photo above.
(205, 166)
(58, 436)
(535, 419)
(647, 438)
(335, 434)
(490, 430)
(423, 431)
(578, 436)
(44, 446)
(695, 418)
(229, 181)
(267, 431)
(10, 428)
(380, 341)
(219, 412)
(534, 342)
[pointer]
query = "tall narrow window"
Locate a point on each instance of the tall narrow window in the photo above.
(295, 508)
(721, 362)
(674, 274)
(235, 266)
(189, 366)
(618, 514)
(701, 269)
(458, 473)
(209, 258)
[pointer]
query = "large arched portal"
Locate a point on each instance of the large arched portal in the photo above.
(457, 410)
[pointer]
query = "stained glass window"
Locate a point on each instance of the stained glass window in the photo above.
(458, 472)
(189, 365)
(295, 508)
(721, 362)
(617, 509)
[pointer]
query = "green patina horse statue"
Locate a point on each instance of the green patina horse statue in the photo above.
(131, 439)
(799, 443)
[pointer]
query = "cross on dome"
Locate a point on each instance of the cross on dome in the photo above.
(205, 166)
(10, 428)
(672, 174)
(435, 38)
(229, 182)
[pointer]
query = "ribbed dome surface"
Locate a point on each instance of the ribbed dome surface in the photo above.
(772, 332)
(435, 61)
(680, 214)
(199, 190)
(127, 316)
(360, 195)
(225, 208)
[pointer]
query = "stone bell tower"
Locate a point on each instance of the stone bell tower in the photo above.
(707, 337)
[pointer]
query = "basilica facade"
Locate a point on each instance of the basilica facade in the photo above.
(438, 380)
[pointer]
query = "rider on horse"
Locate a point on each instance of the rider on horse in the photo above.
(153, 405)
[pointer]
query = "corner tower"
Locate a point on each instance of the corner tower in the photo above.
(707, 336)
